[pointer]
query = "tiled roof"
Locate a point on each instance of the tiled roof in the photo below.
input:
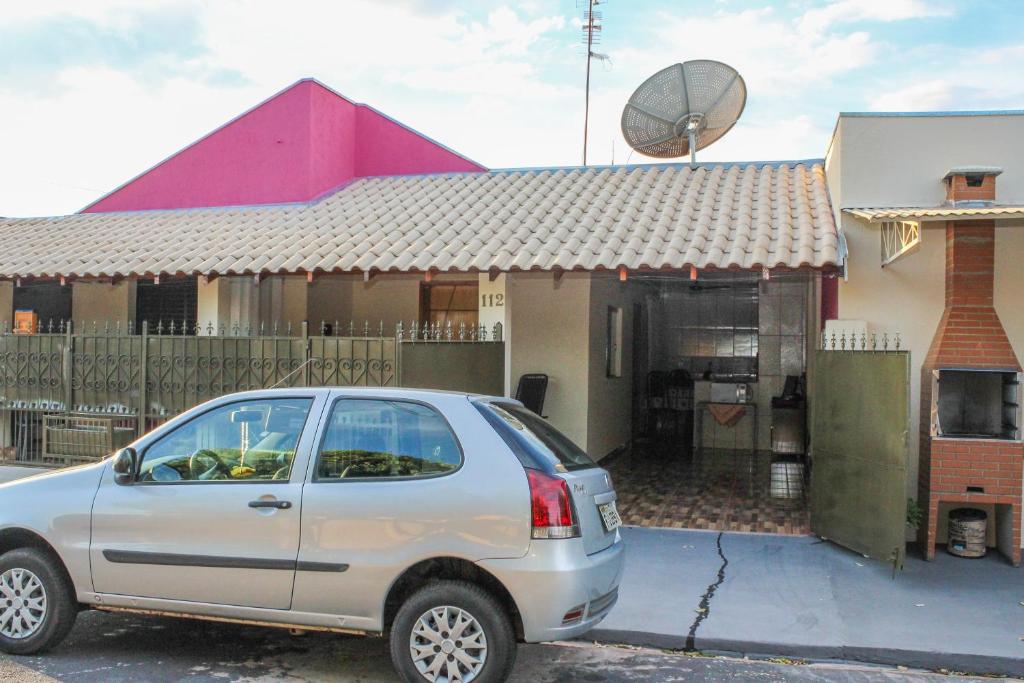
(658, 216)
(937, 213)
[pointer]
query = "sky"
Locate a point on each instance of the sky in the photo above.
(93, 93)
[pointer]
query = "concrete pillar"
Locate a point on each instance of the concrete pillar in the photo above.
(226, 304)
(103, 304)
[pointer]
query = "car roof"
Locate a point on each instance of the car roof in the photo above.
(409, 392)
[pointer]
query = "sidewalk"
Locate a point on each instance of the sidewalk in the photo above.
(797, 596)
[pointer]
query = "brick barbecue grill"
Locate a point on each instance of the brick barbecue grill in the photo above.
(971, 449)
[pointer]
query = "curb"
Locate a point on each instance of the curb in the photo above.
(963, 662)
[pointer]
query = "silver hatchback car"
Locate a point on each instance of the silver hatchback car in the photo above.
(457, 524)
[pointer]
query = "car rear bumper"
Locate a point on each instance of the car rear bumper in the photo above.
(557, 577)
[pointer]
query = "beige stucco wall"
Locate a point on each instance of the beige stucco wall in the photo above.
(282, 302)
(559, 327)
(226, 302)
(549, 332)
(900, 161)
(6, 305)
(609, 399)
(102, 303)
(347, 298)
(389, 298)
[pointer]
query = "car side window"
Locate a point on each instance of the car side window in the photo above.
(245, 441)
(384, 439)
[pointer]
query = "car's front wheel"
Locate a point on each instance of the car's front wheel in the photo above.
(36, 605)
(452, 631)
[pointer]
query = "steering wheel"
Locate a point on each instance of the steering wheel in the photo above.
(211, 471)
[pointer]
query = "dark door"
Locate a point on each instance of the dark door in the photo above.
(859, 420)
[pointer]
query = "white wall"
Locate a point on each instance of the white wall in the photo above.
(900, 161)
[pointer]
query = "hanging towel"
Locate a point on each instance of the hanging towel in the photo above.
(727, 414)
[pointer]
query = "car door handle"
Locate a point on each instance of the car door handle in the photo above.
(279, 504)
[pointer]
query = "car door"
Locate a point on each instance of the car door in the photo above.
(398, 478)
(213, 515)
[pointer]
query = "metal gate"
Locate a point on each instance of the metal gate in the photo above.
(68, 396)
(859, 419)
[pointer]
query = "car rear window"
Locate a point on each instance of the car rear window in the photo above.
(534, 441)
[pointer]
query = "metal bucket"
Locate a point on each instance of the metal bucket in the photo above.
(967, 532)
(787, 479)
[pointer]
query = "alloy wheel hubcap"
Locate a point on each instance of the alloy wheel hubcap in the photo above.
(448, 645)
(22, 603)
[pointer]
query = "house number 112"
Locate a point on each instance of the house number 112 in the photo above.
(492, 300)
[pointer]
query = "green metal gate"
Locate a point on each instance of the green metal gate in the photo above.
(859, 420)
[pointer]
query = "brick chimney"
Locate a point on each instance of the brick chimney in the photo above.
(970, 431)
(966, 184)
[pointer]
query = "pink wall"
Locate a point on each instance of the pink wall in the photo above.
(293, 147)
(385, 147)
(333, 131)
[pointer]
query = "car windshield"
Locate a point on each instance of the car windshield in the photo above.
(532, 438)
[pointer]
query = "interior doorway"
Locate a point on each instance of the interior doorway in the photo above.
(719, 403)
(49, 300)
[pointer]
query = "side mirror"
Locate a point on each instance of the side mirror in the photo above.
(124, 465)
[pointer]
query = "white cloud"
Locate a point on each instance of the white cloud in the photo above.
(935, 94)
(101, 128)
(100, 11)
(498, 81)
(820, 19)
(780, 60)
(420, 62)
(774, 55)
(971, 79)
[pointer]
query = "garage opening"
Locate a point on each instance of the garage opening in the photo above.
(719, 410)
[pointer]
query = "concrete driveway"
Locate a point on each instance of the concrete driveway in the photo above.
(799, 596)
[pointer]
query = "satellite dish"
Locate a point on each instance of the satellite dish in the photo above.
(683, 108)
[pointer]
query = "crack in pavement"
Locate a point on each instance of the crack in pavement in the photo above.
(704, 608)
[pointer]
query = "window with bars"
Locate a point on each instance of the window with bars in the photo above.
(173, 300)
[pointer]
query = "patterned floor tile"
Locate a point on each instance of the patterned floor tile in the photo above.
(721, 491)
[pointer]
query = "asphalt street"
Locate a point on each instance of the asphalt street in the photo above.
(109, 648)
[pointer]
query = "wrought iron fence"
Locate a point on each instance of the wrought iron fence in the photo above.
(843, 341)
(64, 393)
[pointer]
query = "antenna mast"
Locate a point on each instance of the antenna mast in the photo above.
(591, 36)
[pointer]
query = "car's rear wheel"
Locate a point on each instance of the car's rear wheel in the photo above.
(36, 605)
(452, 631)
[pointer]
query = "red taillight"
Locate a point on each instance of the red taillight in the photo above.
(550, 507)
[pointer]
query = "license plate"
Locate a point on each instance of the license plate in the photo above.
(609, 516)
